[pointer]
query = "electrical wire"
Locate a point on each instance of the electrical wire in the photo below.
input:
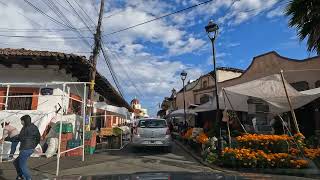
(158, 18)
(116, 57)
(114, 77)
(116, 13)
(105, 56)
(62, 16)
(79, 17)
(85, 12)
(42, 37)
(44, 14)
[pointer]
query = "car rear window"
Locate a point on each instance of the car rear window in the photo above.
(152, 124)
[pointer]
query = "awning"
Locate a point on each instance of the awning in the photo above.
(269, 89)
(104, 106)
(180, 112)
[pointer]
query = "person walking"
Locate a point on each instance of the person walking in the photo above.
(11, 134)
(29, 138)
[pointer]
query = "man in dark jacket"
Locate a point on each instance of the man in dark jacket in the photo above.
(29, 138)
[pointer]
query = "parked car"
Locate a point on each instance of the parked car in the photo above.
(152, 132)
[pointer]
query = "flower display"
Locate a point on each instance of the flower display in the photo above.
(188, 134)
(251, 158)
(262, 137)
(312, 153)
(267, 143)
(299, 163)
(202, 138)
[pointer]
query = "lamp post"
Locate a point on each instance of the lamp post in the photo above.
(183, 76)
(212, 31)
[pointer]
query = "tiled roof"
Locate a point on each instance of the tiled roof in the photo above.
(27, 52)
(231, 69)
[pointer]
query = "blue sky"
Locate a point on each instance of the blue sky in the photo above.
(148, 59)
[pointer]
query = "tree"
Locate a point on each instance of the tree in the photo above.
(305, 16)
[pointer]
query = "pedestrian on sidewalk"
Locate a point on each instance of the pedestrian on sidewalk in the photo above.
(29, 138)
(11, 134)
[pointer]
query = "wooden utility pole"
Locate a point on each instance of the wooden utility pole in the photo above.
(289, 102)
(95, 55)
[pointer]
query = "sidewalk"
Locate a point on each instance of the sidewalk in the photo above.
(311, 173)
(45, 168)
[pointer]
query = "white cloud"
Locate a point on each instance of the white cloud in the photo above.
(276, 12)
(235, 44)
(243, 10)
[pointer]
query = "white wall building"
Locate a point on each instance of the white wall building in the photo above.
(35, 69)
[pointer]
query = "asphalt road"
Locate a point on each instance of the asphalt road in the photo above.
(118, 164)
(131, 160)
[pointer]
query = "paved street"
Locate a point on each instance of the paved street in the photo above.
(128, 160)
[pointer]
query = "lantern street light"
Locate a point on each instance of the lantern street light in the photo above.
(183, 76)
(212, 31)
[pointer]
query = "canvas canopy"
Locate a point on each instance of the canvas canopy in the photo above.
(104, 106)
(269, 89)
(180, 113)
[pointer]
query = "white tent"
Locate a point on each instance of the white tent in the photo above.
(104, 106)
(180, 112)
(269, 89)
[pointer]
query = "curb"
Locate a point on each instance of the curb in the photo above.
(199, 159)
(258, 171)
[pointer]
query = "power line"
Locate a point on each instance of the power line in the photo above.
(43, 13)
(105, 56)
(61, 15)
(31, 20)
(84, 12)
(95, 8)
(37, 30)
(114, 77)
(42, 37)
(116, 13)
(116, 57)
(158, 18)
(79, 17)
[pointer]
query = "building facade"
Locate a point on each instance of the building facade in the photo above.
(41, 75)
(138, 111)
(201, 90)
(301, 74)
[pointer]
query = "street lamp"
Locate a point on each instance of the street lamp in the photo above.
(212, 31)
(183, 76)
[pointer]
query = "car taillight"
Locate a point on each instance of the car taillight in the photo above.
(168, 132)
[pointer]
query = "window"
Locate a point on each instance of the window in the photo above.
(114, 120)
(317, 84)
(75, 106)
(204, 98)
(204, 84)
(300, 86)
(23, 102)
(152, 123)
(20, 103)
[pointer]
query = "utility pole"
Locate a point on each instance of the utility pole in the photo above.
(96, 48)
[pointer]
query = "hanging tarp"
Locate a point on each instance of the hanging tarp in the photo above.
(180, 113)
(104, 106)
(269, 89)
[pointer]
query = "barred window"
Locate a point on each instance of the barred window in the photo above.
(20, 103)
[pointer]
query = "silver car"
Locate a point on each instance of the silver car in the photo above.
(152, 132)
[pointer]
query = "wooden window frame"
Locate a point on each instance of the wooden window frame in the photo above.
(33, 91)
(71, 99)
